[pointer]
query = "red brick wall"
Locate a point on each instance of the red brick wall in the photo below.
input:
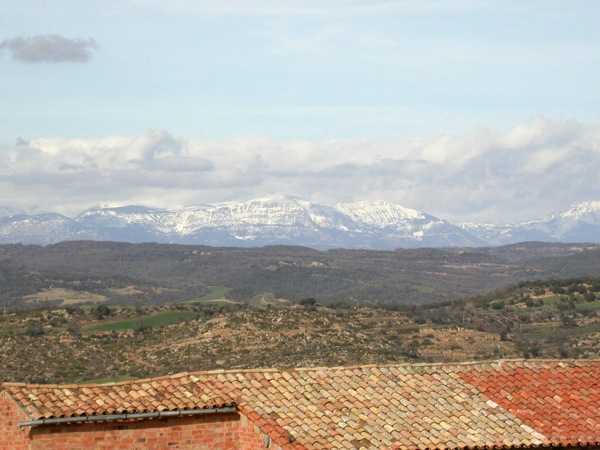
(204, 432)
(250, 437)
(11, 437)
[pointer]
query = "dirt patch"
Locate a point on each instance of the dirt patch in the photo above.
(65, 296)
(459, 344)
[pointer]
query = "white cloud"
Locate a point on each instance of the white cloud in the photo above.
(522, 173)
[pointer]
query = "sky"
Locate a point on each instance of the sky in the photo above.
(467, 110)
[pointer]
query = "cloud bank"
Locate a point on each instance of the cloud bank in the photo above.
(50, 48)
(498, 176)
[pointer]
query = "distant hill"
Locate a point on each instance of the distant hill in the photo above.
(124, 273)
(292, 221)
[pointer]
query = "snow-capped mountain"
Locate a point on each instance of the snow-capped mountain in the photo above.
(580, 222)
(293, 221)
(39, 228)
(263, 221)
(4, 211)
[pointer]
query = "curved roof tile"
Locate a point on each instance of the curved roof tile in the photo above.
(500, 404)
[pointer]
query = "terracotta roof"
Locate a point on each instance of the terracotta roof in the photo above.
(158, 394)
(493, 404)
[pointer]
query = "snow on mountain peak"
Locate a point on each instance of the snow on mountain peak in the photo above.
(291, 220)
(582, 212)
(585, 211)
(378, 213)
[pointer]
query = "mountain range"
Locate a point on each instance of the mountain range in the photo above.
(289, 220)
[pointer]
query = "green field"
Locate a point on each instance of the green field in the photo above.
(216, 294)
(589, 306)
(156, 320)
(425, 289)
(547, 332)
(260, 300)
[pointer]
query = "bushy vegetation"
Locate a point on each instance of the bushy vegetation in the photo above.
(86, 310)
(536, 320)
(89, 273)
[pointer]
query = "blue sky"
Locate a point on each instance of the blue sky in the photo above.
(239, 83)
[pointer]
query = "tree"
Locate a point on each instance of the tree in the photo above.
(539, 290)
(35, 328)
(568, 321)
(101, 312)
(308, 302)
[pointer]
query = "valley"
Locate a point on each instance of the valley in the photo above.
(88, 273)
(542, 319)
(80, 311)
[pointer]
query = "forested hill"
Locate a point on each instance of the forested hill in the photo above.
(87, 272)
(535, 319)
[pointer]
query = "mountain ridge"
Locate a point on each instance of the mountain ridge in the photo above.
(579, 222)
(290, 220)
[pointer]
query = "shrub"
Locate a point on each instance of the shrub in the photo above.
(34, 328)
(101, 312)
(307, 302)
(73, 327)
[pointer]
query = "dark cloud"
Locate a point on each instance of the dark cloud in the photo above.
(50, 48)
